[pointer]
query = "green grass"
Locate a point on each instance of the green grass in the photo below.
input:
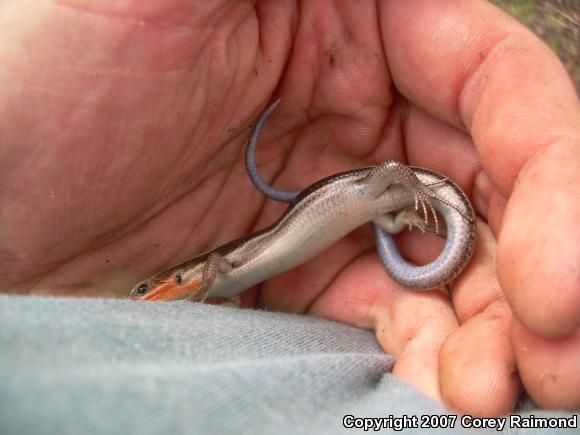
(523, 10)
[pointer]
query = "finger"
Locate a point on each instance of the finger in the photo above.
(478, 370)
(548, 367)
(477, 287)
(476, 68)
(472, 66)
(418, 351)
(409, 325)
(538, 253)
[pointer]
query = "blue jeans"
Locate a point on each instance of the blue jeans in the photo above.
(116, 366)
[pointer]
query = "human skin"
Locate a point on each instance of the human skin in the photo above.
(122, 129)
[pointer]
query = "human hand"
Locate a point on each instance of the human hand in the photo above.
(121, 140)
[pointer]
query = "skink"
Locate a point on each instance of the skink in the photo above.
(318, 217)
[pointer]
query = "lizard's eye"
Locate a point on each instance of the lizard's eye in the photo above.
(142, 289)
(177, 279)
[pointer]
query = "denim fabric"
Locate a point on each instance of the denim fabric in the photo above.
(95, 366)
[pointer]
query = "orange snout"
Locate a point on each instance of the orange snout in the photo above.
(169, 290)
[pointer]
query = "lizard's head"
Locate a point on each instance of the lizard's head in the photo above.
(166, 286)
(161, 288)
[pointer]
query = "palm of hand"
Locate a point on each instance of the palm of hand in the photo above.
(134, 163)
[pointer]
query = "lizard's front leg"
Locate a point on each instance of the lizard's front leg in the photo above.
(214, 265)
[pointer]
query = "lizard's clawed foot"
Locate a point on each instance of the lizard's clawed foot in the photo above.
(412, 220)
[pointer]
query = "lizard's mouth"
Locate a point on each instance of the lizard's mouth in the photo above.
(170, 290)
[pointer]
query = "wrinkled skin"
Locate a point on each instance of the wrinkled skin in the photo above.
(122, 128)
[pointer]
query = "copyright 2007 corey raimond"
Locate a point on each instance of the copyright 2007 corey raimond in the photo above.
(451, 421)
